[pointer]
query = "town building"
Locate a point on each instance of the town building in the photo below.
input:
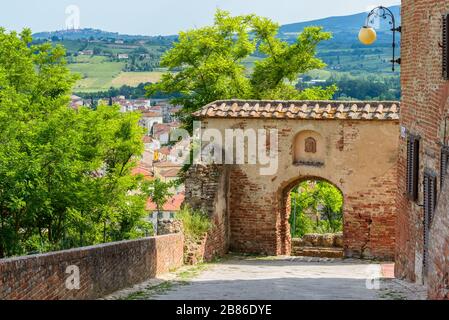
(76, 102)
(422, 239)
(149, 119)
(162, 131)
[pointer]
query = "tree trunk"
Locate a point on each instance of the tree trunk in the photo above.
(104, 231)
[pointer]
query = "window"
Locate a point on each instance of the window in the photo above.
(444, 163)
(430, 193)
(412, 167)
(445, 45)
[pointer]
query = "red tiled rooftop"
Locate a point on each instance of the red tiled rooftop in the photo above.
(174, 204)
(317, 110)
(150, 114)
(146, 173)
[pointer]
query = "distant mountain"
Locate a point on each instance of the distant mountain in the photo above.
(342, 23)
(341, 27)
(343, 54)
(88, 33)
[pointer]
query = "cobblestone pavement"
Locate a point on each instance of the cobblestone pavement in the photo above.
(278, 278)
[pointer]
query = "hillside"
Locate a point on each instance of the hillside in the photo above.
(109, 59)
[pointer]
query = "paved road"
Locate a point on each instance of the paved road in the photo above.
(296, 278)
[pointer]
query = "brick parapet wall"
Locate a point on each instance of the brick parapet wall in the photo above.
(103, 269)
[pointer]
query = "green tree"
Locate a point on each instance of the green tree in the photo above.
(159, 192)
(65, 175)
(318, 198)
(207, 64)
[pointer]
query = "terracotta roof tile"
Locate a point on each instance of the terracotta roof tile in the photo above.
(148, 175)
(320, 110)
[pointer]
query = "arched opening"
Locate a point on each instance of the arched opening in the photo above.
(316, 218)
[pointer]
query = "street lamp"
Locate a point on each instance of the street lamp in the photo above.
(368, 35)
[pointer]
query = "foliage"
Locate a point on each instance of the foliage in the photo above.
(159, 192)
(207, 64)
(367, 88)
(195, 223)
(321, 200)
(65, 175)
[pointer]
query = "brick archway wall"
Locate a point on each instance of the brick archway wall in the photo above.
(259, 222)
(357, 151)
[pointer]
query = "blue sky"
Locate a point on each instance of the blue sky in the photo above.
(154, 17)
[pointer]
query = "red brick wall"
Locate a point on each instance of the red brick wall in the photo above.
(103, 269)
(370, 217)
(438, 279)
(261, 225)
(424, 105)
(255, 221)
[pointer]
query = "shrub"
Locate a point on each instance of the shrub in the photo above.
(196, 223)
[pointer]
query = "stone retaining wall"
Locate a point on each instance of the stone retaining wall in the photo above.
(207, 189)
(103, 269)
(320, 240)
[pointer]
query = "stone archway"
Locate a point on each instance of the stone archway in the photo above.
(353, 145)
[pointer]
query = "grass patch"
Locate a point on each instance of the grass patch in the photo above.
(192, 272)
(95, 75)
(392, 295)
(135, 78)
(151, 291)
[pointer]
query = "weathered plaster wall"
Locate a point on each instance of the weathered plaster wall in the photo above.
(358, 157)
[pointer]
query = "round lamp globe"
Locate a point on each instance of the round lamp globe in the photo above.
(367, 35)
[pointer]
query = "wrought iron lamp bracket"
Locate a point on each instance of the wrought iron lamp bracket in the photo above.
(385, 13)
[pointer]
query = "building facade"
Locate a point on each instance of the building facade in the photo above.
(422, 237)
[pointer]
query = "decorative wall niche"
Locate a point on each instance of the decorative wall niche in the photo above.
(308, 149)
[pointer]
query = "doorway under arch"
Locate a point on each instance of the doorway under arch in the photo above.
(316, 219)
(312, 211)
